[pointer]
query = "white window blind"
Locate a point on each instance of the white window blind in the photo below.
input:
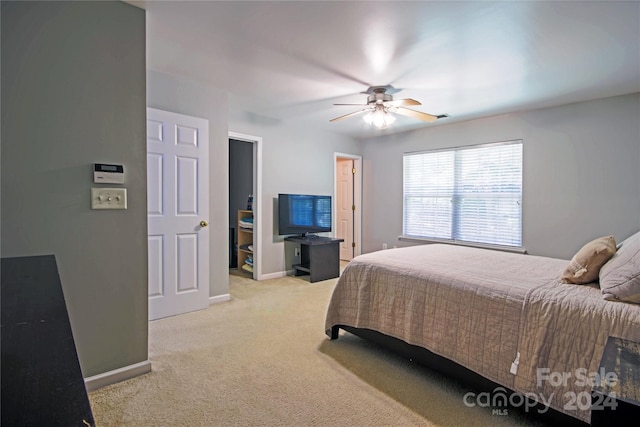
(470, 194)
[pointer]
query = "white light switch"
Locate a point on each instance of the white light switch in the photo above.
(108, 198)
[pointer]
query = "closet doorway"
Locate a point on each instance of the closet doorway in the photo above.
(245, 156)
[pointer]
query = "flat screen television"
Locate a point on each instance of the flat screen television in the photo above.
(302, 214)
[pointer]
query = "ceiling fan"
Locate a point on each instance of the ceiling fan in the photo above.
(380, 105)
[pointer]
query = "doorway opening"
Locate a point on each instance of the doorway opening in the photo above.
(348, 205)
(245, 201)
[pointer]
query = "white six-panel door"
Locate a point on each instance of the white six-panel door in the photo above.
(178, 213)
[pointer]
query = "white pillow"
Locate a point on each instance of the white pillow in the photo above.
(620, 277)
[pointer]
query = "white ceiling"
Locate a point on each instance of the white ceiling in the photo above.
(291, 61)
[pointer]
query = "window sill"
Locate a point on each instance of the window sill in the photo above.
(519, 249)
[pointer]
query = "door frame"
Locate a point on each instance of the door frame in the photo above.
(256, 141)
(357, 196)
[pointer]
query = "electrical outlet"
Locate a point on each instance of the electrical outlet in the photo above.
(384, 246)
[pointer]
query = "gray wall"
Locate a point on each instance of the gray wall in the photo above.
(73, 93)
(188, 97)
(294, 161)
(581, 175)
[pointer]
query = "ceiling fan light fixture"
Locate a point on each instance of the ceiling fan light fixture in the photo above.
(380, 108)
(379, 117)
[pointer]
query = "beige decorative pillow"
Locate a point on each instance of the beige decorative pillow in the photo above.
(586, 263)
(620, 277)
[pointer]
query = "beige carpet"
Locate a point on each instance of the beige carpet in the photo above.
(262, 359)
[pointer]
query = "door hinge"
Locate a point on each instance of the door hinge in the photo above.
(353, 244)
(353, 207)
(353, 171)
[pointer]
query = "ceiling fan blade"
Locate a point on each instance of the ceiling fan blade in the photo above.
(401, 102)
(353, 105)
(416, 114)
(355, 113)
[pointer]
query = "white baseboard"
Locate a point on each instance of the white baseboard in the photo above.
(219, 298)
(276, 275)
(107, 378)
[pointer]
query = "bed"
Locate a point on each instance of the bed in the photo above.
(505, 316)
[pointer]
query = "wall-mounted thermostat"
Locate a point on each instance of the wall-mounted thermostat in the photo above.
(108, 174)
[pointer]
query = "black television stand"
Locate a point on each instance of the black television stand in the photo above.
(319, 257)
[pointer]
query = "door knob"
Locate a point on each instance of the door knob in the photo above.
(203, 223)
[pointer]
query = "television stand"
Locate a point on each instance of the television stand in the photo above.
(319, 257)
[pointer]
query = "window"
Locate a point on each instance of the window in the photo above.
(469, 194)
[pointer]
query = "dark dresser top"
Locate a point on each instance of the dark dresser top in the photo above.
(42, 383)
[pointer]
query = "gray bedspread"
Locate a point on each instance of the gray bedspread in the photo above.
(563, 333)
(480, 308)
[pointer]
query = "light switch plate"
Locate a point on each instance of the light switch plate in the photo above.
(108, 198)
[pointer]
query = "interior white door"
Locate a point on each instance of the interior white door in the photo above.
(344, 207)
(177, 212)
